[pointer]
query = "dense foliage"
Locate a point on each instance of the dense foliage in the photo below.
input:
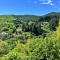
(30, 37)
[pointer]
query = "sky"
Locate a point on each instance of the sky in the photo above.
(29, 7)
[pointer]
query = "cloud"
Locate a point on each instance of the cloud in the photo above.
(52, 3)
(47, 2)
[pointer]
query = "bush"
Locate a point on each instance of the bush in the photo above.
(4, 49)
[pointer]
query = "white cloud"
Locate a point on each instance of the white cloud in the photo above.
(55, 5)
(47, 2)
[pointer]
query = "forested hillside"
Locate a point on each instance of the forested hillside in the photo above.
(30, 37)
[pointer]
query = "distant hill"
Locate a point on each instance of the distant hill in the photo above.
(53, 13)
(46, 17)
(50, 16)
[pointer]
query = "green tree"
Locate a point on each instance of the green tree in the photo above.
(4, 48)
(53, 24)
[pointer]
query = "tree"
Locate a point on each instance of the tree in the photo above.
(36, 29)
(17, 22)
(53, 24)
(4, 48)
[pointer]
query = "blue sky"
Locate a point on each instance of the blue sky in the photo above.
(31, 7)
